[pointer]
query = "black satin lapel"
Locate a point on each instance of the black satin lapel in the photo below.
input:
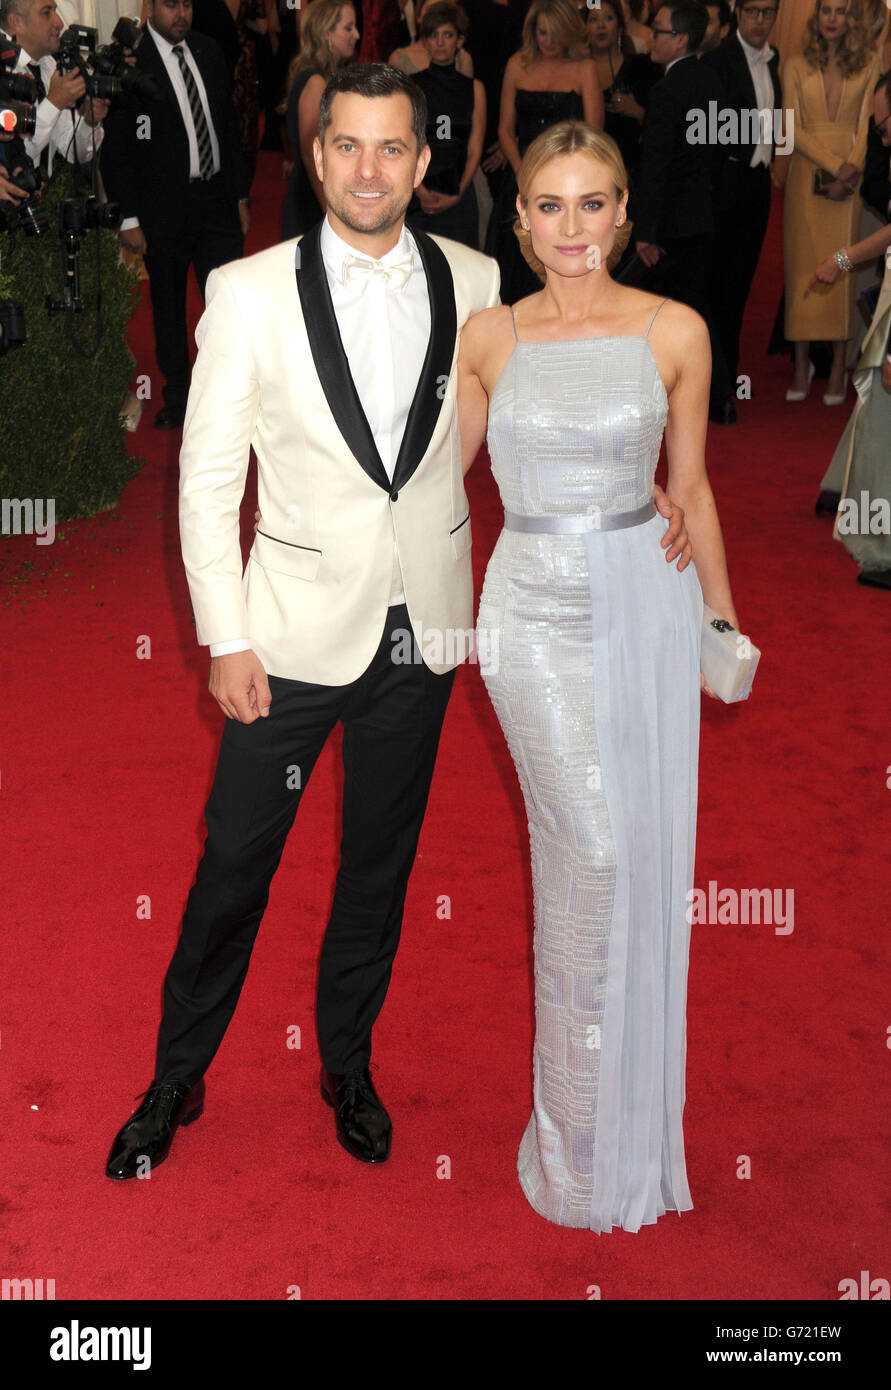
(437, 366)
(331, 360)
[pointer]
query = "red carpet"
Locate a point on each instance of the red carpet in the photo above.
(106, 762)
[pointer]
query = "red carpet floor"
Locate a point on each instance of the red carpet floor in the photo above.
(106, 762)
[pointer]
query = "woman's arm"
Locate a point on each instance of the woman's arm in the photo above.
(592, 96)
(681, 338)
(477, 136)
(473, 403)
(830, 270)
(508, 118)
(310, 101)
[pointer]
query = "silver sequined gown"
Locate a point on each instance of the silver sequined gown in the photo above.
(589, 647)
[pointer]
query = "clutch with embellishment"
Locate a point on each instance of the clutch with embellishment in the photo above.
(728, 659)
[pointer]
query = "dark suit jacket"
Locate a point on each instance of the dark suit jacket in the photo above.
(728, 60)
(876, 187)
(150, 177)
(678, 181)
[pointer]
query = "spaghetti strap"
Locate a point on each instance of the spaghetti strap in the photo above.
(653, 319)
(514, 322)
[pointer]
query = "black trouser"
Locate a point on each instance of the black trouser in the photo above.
(391, 716)
(741, 230)
(684, 273)
(210, 236)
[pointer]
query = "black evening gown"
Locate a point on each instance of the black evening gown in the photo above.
(637, 75)
(449, 94)
(301, 209)
(535, 112)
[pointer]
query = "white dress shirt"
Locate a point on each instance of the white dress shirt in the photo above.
(384, 332)
(74, 140)
(758, 59)
(171, 63)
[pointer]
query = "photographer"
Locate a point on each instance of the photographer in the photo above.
(36, 27)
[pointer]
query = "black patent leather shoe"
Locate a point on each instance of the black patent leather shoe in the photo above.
(167, 419)
(362, 1124)
(149, 1132)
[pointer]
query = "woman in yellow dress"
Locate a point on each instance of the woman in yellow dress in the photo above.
(828, 88)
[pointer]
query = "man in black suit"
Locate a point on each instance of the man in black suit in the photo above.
(673, 207)
(174, 164)
(749, 71)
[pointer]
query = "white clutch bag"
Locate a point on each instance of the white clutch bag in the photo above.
(729, 660)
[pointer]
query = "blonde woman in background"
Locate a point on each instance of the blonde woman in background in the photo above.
(828, 89)
(328, 39)
(590, 649)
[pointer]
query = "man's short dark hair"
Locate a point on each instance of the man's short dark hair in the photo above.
(375, 80)
(687, 17)
(725, 14)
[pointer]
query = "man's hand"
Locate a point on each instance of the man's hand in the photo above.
(94, 110)
(8, 191)
(244, 217)
(64, 91)
(238, 684)
(134, 240)
(648, 252)
(676, 536)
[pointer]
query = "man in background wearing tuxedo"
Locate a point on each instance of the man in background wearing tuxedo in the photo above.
(174, 164)
(748, 68)
(673, 207)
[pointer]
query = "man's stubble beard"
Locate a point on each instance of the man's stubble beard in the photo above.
(389, 216)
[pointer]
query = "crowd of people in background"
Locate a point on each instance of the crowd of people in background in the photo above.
(496, 73)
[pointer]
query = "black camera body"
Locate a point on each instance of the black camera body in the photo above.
(26, 216)
(105, 70)
(79, 215)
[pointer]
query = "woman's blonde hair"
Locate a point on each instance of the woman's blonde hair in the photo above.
(317, 22)
(855, 50)
(567, 29)
(571, 137)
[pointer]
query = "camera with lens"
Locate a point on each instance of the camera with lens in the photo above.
(105, 70)
(79, 215)
(26, 176)
(18, 96)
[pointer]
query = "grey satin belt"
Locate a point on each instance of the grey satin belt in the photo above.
(579, 525)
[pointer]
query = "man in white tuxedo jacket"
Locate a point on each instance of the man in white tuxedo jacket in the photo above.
(335, 357)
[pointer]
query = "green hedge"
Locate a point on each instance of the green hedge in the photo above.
(61, 434)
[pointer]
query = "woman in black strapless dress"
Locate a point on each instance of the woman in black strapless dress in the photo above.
(551, 78)
(456, 125)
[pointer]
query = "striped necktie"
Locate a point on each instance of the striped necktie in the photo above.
(202, 134)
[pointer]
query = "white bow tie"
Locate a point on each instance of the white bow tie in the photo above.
(762, 55)
(396, 273)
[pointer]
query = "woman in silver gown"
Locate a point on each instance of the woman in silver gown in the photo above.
(589, 646)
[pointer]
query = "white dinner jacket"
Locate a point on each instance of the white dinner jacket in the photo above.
(272, 373)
